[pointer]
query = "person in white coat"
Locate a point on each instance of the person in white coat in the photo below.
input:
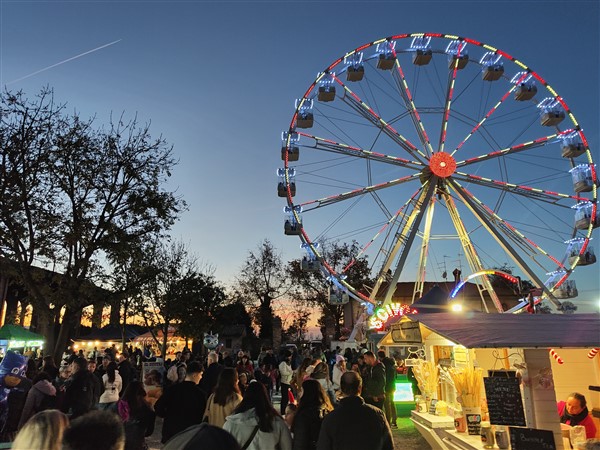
(113, 383)
(256, 425)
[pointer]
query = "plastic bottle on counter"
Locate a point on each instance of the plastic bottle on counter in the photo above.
(487, 435)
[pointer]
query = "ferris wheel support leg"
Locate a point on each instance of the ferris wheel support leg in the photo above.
(423, 200)
(420, 282)
(502, 240)
(471, 255)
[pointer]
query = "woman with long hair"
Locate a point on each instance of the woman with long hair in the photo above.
(137, 416)
(312, 408)
(44, 431)
(112, 383)
(255, 423)
(300, 375)
(321, 374)
(224, 400)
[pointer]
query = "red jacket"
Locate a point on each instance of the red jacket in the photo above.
(587, 423)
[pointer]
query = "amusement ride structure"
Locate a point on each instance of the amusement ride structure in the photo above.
(424, 144)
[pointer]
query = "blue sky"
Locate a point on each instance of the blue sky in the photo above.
(218, 80)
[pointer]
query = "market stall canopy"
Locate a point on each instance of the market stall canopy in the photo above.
(147, 338)
(17, 333)
(113, 333)
(435, 301)
(481, 330)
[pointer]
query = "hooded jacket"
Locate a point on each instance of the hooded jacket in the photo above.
(35, 398)
(242, 425)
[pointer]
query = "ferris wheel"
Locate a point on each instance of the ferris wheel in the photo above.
(423, 145)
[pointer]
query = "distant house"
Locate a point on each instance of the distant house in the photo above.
(232, 337)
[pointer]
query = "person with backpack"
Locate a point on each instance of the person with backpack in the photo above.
(137, 416)
(79, 390)
(40, 397)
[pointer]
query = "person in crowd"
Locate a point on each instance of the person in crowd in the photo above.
(345, 427)
(225, 399)
(373, 381)
(32, 369)
(338, 369)
(263, 375)
(211, 375)
(255, 423)
(321, 374)
(49, 366)
(137, 416)
(203, 436)
(40, 397)
(112, 383)
(242, 382)
(79, 392)
(574, 412)
(390, 387)
(99, 390)
(182, 405)
(290, 413)
(245, 366)
(43, 431)
(96, 430)
(314, 405)
(300, 375)
(228, 360)
(126, 371)
(286, 373)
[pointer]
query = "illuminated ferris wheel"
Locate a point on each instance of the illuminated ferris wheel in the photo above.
(423, 145)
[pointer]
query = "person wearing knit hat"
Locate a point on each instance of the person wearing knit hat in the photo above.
(202, 437)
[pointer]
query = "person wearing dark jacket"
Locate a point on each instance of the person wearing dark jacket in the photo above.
(79, 390)
(137, 416)
(126, 371)
(313, 407)
(374, 381)
(211, 374)
(354, 425)
(390, 387)
(41, 396)
(182, 404)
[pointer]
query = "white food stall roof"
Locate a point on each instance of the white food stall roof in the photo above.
(481, 330)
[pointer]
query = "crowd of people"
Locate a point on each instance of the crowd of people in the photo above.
(223, 398)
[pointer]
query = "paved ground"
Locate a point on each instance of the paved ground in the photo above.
(406, 437)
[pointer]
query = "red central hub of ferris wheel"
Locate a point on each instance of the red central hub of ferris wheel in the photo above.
(442, 164)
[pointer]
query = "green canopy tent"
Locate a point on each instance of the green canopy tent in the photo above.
(14, 336)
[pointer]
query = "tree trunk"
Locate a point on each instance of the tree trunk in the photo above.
(97, 315)
(63, 335)
(44, 325)
(115, 312)
(163, 347)
(124, 328)
(11, 310)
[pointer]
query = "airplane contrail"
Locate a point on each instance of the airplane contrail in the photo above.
(65, 61)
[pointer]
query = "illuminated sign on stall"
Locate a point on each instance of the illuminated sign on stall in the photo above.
(384, 313)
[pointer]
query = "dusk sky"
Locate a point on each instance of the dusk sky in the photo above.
(218, 80)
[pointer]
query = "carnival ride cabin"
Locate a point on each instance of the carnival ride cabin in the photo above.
(492, 67)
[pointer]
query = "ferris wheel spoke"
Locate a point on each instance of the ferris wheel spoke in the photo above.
(355, 102)
(449, 95)
(410, 105)
(471, 253)
(490, 112)
(391, 220)
(420, 281)
(326, 201)
(400, 237)
(406, 238)
(502, 232)
(526, 191)
(344, 149)
(540, 142)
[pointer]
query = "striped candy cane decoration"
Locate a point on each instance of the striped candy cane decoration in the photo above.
(593, 352)
(557, 358)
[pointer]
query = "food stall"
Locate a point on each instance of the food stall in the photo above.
(518, 366)
(14, 337)
(175, 343)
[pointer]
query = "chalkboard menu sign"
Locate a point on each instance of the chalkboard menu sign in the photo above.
(531, 439)
(504, 401)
